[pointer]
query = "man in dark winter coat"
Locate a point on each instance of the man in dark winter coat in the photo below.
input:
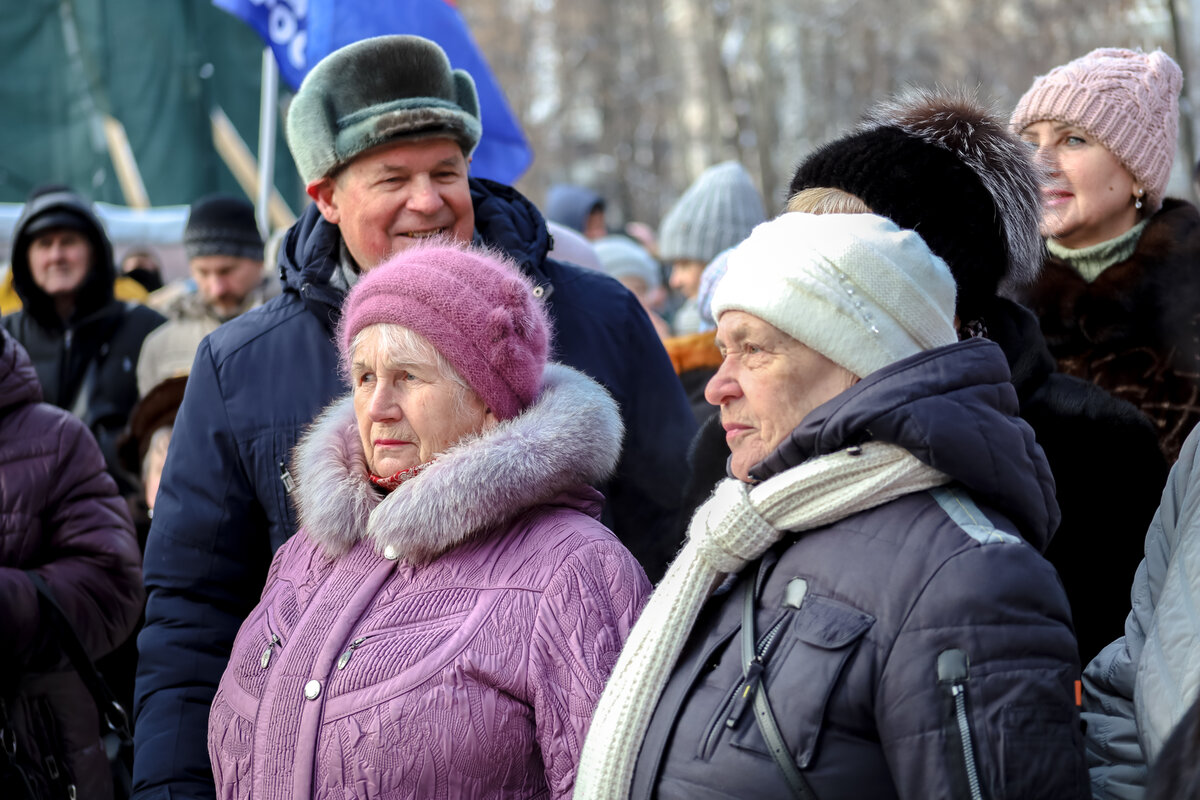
(83, 342)
(381, 131)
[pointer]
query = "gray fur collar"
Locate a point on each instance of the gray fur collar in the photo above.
(571, 435)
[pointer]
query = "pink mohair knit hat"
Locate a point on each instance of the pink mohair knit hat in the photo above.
(1127, 99)
(473, 305)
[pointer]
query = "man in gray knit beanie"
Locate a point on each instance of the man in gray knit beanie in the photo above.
(716, 212)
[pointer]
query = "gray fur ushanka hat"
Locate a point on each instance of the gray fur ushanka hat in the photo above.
(376, 91)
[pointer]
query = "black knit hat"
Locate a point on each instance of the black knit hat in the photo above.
(940, 164)
(222, 225)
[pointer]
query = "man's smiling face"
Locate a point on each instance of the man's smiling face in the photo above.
(393, 195)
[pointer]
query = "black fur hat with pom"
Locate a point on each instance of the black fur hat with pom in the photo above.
(940, 164)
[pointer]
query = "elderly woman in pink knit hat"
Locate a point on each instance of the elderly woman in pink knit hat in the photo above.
(1119, 296)
(447, 616)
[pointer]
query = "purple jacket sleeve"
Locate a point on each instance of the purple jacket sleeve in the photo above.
(583, 619)
(91, 562)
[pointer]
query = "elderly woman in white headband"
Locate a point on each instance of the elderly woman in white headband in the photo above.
(862, 609)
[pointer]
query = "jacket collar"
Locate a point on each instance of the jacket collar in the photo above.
(570, 436)
(955, 409)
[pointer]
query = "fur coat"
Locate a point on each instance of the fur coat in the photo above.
(1135, 330)
(449, 639)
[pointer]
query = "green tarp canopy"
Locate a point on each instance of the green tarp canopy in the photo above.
(157, 66)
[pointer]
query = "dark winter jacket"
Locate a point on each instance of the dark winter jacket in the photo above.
(1103, 453)
(923, 621)
(1108, 472)
(259, 380)
(86, 364)
(1135, 330)
(61, 517)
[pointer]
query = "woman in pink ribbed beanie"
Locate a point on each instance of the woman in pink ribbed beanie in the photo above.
(1125, 101)
(449, 610)
(1118, 295)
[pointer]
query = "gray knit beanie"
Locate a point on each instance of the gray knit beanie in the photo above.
(620, 256)
(376, 91)
(716, 212)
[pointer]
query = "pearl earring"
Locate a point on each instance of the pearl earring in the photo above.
(1138, 202)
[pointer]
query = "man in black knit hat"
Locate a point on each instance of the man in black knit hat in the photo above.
(225, 258)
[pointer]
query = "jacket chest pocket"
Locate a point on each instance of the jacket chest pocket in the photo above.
(800, 672)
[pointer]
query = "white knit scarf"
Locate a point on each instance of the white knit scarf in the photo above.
(735, 526)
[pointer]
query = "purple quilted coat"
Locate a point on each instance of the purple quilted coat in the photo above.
(447, 640)
(60, 516)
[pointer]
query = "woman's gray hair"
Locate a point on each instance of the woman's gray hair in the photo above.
(406, 346)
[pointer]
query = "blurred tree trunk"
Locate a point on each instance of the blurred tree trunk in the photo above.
(634, 99)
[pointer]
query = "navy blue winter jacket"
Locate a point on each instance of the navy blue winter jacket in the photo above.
(223, 507)
(920, 649)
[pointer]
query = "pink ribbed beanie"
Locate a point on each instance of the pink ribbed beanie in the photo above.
(1127, 99)
(472, 304)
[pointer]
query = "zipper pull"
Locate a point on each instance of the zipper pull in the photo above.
(952, 666)
(344, 658)
(286, 477)
(795, 592)
(754, 672)
(266, 656)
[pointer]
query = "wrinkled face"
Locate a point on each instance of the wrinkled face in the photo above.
(1089, 196)
(388, 197)
(59, 261)
(767, 384)
(407, 411)
(224, 281)
(685, 277)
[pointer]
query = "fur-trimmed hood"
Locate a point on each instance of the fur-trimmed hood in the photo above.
(570, 435)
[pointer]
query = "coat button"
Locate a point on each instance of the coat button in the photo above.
(312, 689)
(389, 552)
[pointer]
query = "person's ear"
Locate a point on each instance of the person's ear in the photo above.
(323, 191)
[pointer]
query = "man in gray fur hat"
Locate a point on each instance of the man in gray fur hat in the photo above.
(382, 132)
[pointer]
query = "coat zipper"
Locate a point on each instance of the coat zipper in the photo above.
(273, 640)
(345, 657)
(952, 667)
(739, 698)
